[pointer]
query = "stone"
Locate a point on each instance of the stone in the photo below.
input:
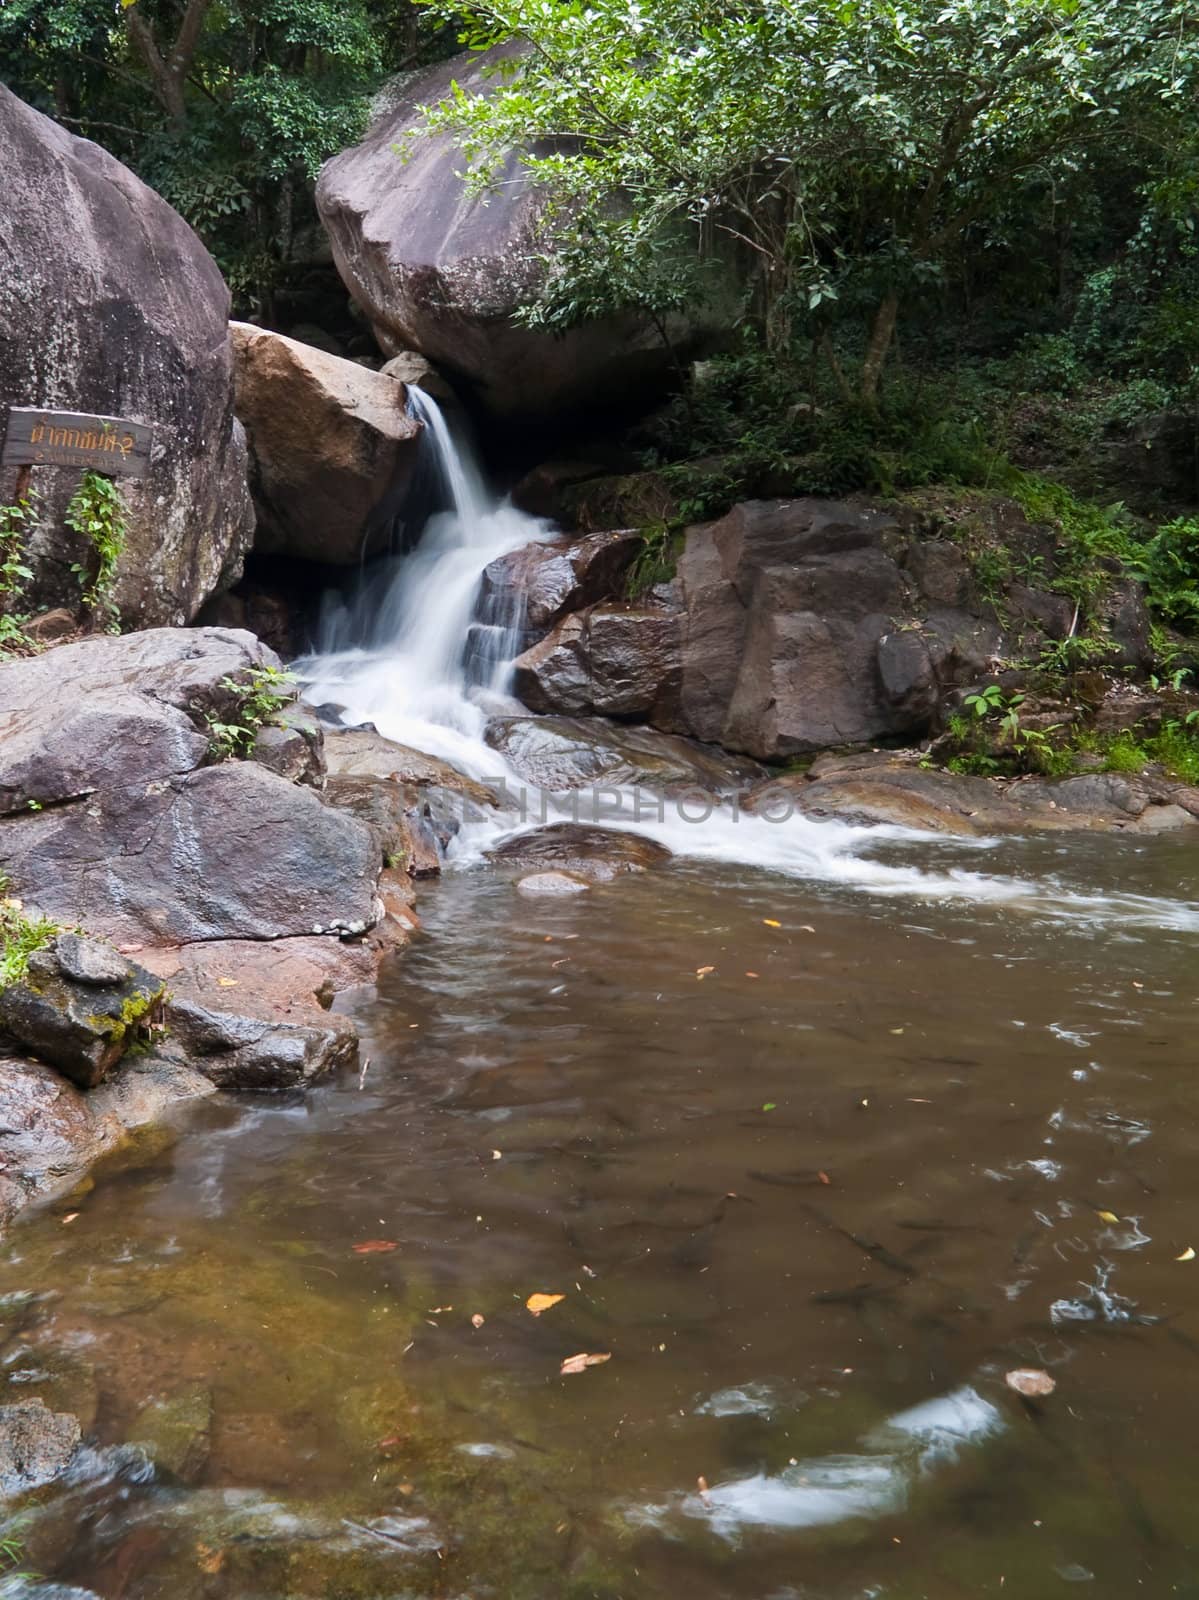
(176, 1432)
(332, 446)
(82, 1026)
(229, 851)
(293, 745)
(89, 961)
(613, 661)
(362, 753)
(37, 1446)
(592, 855)
(894, 789)
(560, 754)
(254, 1015)
(544, 581)
(552, 884)
(111, 305)
(52, 626)
(48, 1132)
(409, 368)
(442, 271)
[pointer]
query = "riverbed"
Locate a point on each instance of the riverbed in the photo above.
(810, 1169)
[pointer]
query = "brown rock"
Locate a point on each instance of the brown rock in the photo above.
(592, 855)
(332, 444)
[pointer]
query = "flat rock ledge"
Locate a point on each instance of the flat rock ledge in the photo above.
(886, 788)
(225, 903)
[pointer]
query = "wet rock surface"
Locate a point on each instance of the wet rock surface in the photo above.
(111, 306)
(37, 1446)
(80, 1006)
(796, 625)
(894, 789)
(543, 582)
(568, 850)
(566, 753)
(332, 448)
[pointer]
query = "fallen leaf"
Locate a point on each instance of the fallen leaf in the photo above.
(806, 927)
(375, 1247)
(477, 1320)
(896, 1030)
(210, 1559)
(770, 1106)
(582, 1361)
(771, 923)
(587, 1272)
(753, 974)
(824, 1177)
(390, 1442)
(1187, 1255)
(1030, 1381)
(537, 1303)
(70, 1217)
(439, 1311)
(701, 1483)
(1107, 1216)
(226, 983)
(702, 972)
(497, 1155)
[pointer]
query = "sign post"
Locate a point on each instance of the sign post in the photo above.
(36, 437)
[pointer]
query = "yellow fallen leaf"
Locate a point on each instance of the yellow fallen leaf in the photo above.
(477, 1320)
(226, 983)
(71, 1215)
(702, 972)
(537, 1303)
(1187, 1255)
(1107, 1216)
(771, 923)
(896, 1030)
(582, 1361)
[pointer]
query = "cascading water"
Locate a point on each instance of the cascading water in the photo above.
(399, 656)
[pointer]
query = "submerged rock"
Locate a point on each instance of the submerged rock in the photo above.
(79, 1007)
(110, 305)
(568, 851)
(552, 884)
(175, 1432)
(332, 444)
(37, 1446)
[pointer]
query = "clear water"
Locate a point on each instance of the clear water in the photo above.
(817, 1132)
(559, 1099)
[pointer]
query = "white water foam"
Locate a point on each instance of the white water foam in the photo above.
(396, 657)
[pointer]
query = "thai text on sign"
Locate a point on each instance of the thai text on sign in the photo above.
(36, 437)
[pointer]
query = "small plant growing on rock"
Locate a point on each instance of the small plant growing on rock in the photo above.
(97, 512)
(261, 695)
(20, 936)
(17, 521)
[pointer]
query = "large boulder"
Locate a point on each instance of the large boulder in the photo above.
(792, 626)
(117, 712)
(229, 851)
(441, 270)
(110, 304)
(332, 447)
(563, 754)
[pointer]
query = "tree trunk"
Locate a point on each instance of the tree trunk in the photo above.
(881, 334)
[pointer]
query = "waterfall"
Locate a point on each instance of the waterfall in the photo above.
(407, 655)
(399, 654)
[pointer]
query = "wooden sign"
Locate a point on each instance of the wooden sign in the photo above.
(38, 438)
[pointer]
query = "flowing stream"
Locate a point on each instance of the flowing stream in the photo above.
(810, 1137)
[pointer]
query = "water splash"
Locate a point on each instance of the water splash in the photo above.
(399, 656)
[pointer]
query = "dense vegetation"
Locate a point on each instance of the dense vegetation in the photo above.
(226, 107)
(947, 248)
